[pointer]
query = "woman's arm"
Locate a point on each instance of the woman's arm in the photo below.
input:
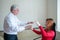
(36, 31)
(44, 33)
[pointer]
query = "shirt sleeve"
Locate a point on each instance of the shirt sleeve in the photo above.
(23, 23)
(44, 33)
(13, 25)
(36, 31)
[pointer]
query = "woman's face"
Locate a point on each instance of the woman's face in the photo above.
(49, 24)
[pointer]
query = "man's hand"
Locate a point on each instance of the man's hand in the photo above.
(30, 22)
(28, 27)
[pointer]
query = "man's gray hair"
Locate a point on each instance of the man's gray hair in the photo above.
(13, 7)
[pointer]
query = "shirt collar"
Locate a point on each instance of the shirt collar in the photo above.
(12, 14)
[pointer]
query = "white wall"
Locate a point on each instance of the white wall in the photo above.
(52, 9)
(29, 10)
(58, 15)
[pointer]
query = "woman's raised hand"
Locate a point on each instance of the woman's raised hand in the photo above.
(37, 23)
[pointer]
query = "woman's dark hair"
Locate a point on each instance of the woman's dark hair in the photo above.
(53, 27)
(49, 19)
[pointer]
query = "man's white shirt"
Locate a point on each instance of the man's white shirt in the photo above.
(12, 24)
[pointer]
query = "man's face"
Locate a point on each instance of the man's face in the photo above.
(15, 11)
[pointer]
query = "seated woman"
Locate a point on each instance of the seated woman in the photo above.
(49, 33)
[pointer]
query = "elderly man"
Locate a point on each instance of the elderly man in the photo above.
(12, 25)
